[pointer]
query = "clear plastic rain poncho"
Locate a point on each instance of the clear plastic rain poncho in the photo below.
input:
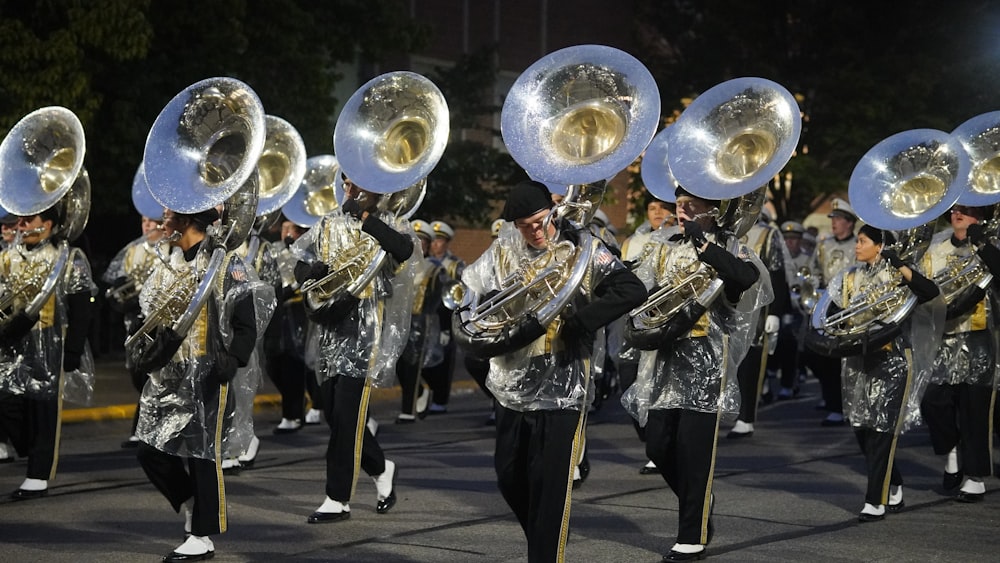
(970, 341)
(294, 323)
(546, 374)
(368, 341)
(183, 407)
(882, 389)
(423, 345)
(697, 371)
(133, 264)
(32, 367)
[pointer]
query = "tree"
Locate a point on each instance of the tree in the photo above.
(116, 63)
(862, 70)
(465, 183)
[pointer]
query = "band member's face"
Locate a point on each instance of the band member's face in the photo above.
(425, 245)
(439, 246)
(532, 229)
(794, 245)
(689, 207)
(152, 229)
(290, 230)
(866, 250)
(841, 227)
(172, 224)
(8, 232)
(960, 218)
(32, 223)
(364, 198)
(657, 212)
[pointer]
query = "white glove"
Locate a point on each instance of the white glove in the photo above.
(445, 338)
(772, 324)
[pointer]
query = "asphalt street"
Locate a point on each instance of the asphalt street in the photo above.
(791, 492)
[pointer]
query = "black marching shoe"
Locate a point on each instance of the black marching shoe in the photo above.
(865, 517)
(24, 494)
(324, 517)
(969, 498)
(174, 556)
(681, 556)
(385, 505)
(951, 481)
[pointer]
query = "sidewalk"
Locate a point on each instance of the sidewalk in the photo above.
(115, 398)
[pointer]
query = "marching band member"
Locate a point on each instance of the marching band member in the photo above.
(881, 387)
(658, 214)
(541, 386)
(439, 377)
(125, 275)
(36, 352)
(766, 242)
(790, 335)
(684, 389)
(359, 343)
(287, 368)
(189, 419)
(958, 401)
(423, 348)
(833, 254)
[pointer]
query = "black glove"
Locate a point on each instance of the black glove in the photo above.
(16, 328)
(310, 271)
(976, 234)
(574, 332)
(71, 361)
(353, 208)
(893, 257)
(225, 367)
(694, 233)
(165, 344)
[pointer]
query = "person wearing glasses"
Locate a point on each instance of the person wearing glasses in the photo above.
(539, 375)
(38, 350)
(686, 386)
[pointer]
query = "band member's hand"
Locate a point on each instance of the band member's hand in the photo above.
(165, 344)
(16, 328)
(574, 332)
(772, 324)
(976, 234)
(225, 367)
(893, 257)
(694, 233)
(353, 208)
(310, 271)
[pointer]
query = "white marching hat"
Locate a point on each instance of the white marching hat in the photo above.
(442, 229)
(843, 209)
(421, 228)
(495, 227)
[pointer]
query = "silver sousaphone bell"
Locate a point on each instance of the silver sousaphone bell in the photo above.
(575, 118)
(901, 184)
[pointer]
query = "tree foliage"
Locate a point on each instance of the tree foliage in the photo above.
(116, 64)
(863, 70)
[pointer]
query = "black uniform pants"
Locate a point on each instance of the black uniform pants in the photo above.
(827, 371)
(879, 449)
(959, 416)
(201, 480)
(345, 405)
(439, 377)
(290, 375)
(682, 444)
(409, 381)
(33, 428)
(536, 452)
(750, 376)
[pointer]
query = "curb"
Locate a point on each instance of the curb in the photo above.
(260, 402)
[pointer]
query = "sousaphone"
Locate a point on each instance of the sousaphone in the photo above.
(900, 184)
(574, 118)
(726, 145)
(202, 152)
